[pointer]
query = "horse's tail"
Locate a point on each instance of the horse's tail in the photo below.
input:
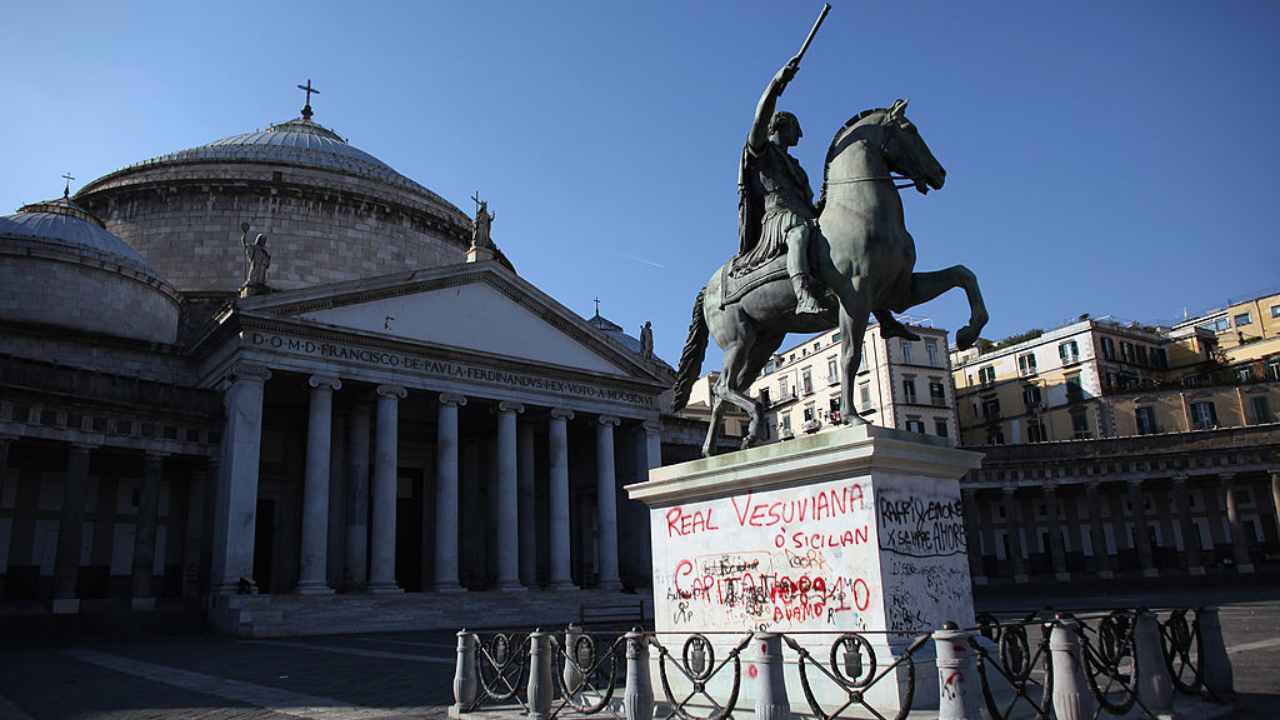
(695, 347)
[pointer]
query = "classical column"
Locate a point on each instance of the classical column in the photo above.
(382, 565)
(1057, 555)
(969, 500)
(1190, 534)
(196, 528)
(508, 498)
(357, 565)
(313, 577)
(1097, 532)
(558, 442)
(1239, 543)
(986, 524)
(237, 507)
(1165, 515)
(652, 445)
(606, 503)
(144, 537)
(447, 493)
(528, 531)
(1014, 528)
(1275, 494)
(1075, 530)
(66, 563)
(1141, 537)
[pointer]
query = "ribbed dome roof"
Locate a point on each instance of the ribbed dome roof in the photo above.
(62, 221)
(300, 142)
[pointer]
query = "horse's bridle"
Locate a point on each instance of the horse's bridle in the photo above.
(884, 151)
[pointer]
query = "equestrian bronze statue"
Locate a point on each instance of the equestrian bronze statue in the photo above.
(803, 266)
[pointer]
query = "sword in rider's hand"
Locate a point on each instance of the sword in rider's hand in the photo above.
(794, 63)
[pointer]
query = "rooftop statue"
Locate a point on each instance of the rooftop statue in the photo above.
(480, 235)
(257, 260)
(804, 266)
(646, 340)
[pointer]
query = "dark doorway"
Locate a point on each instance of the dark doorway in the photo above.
(409, 530)
(264, 530)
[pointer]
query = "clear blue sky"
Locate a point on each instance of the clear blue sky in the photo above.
(1102, 157)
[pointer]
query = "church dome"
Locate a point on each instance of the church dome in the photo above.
(60, 266)
(331, 211)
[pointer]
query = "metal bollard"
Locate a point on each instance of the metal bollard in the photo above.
(572, 677)
(638, 697)
(465, 683)
(1215, 664)
(1155, 689)
(771, 684)
(1072, 699)
(539, 688)
(959, 697)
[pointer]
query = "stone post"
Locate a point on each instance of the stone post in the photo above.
(508, 530)
(572, 675)
(382, 568)
(447, 493)
(465, 682)
(561, 575)
(314, 565)
(66, 563)
(539, 688)
(1215, 664)
(960, 695)
(1190, 534)
(638, 694)
(1056, 552)
(144, 537)
(771, 684)
(528, 499)
(237, 508)
(1098, 533)
(1014, 527)
(357, 566)
(607, 503)
(1155, 689)
(1072, 699)
(1239, 543)
(1141, 537)
(969, 499)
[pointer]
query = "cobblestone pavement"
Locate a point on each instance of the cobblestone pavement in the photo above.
(364, 677)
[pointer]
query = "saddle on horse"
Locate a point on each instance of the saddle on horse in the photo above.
(735, 283)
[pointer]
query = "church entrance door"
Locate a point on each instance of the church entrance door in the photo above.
(264, 543)
(409, 530)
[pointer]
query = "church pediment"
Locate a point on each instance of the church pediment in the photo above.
(478, 307)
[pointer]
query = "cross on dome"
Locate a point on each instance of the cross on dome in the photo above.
(306, 109)
(66, 191)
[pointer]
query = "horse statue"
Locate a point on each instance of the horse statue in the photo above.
(862, 254)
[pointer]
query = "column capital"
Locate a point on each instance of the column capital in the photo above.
(452, 399)
(653, 427)
(507, 406)
(248, 372)
(325, 382)
(396, 391)
(562, 413)
(609, 420)
(83, 447)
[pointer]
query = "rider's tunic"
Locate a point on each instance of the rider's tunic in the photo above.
(779, 187)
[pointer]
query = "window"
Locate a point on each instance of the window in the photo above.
(809, 415)
(1080, 424)
(1160, 358)
(1243, 319)
(1027, 364)
(1275, 311)
(906, 351)
(987, 375)
(1075, 393)
(931, 349)
(1126, 351)
(1146, 417)
(1204, 415)
(833, 408)
(817, 346)
(940, 426)
(995, 436)
(833, 375)
(784, 390)
(915, 424)
(1142, 355)
(806, 381)
(909, 388)
(864, 395)
(1261, 409)
(1273, 367)
(1031, 396)
(991, 408)
(1070, 352)
(1108, 348)
(835, 339)
(1245, 374)
(1035, 431)
(937, 392)
(764, 396)
(786, 424)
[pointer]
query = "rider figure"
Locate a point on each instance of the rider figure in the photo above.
(775, 202)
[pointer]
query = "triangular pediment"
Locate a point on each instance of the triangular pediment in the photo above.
(479, 308)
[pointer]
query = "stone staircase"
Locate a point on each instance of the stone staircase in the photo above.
(262, 616)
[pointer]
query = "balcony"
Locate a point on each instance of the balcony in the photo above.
(937, 401)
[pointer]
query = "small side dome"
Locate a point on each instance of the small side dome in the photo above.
(59, 265)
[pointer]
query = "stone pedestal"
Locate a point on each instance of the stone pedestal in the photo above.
(859, 529)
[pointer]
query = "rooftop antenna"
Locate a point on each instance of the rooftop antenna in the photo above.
(306, 109)
(66, 191)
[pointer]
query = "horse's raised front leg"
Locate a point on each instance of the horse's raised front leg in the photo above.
(926, 286)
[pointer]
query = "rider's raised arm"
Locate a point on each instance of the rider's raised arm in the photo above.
(768, 102)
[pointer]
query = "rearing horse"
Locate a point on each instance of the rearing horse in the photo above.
(863, 254)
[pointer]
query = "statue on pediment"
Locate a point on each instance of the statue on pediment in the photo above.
(257, 260)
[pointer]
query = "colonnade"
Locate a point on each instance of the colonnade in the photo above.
(1009, 525)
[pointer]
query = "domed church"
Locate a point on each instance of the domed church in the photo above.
(274, 381)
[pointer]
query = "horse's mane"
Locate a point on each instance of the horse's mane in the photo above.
(834, 149)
